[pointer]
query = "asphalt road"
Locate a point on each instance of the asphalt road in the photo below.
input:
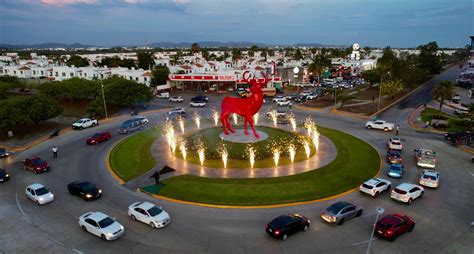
(443, 215)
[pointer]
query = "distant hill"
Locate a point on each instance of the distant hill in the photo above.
(44, 45)
(206, 44)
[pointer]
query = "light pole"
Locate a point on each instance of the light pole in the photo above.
(380, 90)
(379, 211)
(103, 94)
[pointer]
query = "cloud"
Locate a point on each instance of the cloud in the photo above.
(66, 2)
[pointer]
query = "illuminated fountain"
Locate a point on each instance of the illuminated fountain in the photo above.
(255, 119)
(234, 116)
(197, 119)
(224, 154)
(181, 124)
(292, 119)
(307, 149)
(292, 152)
(309, 126)
(215, 116)
(276, 155)
(315, 139)
(182, 148)
(251, 154)
(201, 151)
(170, 136)
(274, 117)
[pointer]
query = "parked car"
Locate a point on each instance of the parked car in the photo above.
(176, 99)
(394, 225)
(425, 158)
(197, 104)
(99, 138)
(176, 110)
(84, 189)
(379, 124)
(283, 103)
(461, 112)
(85, 123)
(394, 156)
(278, 98)
(276, 112)
(340, 212)
(300, 99)
(283, 119)
(149, 214)
(429, 178)
(395, 170)
(4, 176)
(176, 115)
(101, 225)
(375, 186)
(395, 144)
(312, 96)
(200, 98)
(292, 96)
(35, 164)
(284, 225)
(131, 125)
(164, 95)
(459, 135)
(4, 153)
(407, 192)
(39, 194)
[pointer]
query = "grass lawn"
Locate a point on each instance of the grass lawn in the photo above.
(454, 123)
(356, 162)
(132, 156)
(238, 157)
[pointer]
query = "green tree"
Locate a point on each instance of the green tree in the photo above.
(319, 63)
(205, 55)
(236, 54)
(298, 54)
(444, 90)
(40, 108)
(428, 58)
(145, 60)
(77, 61)
(195, 48)
(391, 87)
(388, 60)
(160, 75)
(367, 51)
(96, 107)
(372, 76)
(71, 89)
(343, 98)
(123, 92)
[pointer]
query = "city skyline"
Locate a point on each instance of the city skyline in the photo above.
(140, 22)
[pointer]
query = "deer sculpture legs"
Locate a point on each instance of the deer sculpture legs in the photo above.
(249, 119)
(228, 126)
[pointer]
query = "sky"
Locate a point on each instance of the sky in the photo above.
(376, 23)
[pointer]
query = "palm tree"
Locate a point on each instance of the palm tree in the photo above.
(195, 48)
(320, 62)
(444, 90)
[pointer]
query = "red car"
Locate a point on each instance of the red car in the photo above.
(35, 164)
(394, 225)
(99, 138)
(394, 156)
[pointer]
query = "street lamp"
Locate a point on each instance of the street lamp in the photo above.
(379, 211)
(103, 94)
(380, 90)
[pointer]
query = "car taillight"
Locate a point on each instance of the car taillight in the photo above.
(277, 232)
(389, 232)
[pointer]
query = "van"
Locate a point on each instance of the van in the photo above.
(131, 125)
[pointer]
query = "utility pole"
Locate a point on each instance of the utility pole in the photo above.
(380, 90)
(379, 211)
(103, 94)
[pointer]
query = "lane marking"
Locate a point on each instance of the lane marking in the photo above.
(469, 171)
(18, 204)
(54, 240)
(77, 251)
(366, 241)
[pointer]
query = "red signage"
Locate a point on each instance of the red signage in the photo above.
(223, 78)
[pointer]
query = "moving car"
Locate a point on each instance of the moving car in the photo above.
(276, 112)
(99, 138)
(375, 186)
(85, 123)
(429, 178)
(407, 192)
(197, 104)
(380, 125)
(425, 158)
(283, 119)
(395, 144)
(84, 189)
(395, 170)
(39, 194)
(101, 225)
(394, 225)
(149, 214)
(131, 125)
(341, 211)
(394, 156)
(176, 111)
(35, 164)
(144, 120)
(200, 98)
(458, 135)
(4, 176)
(176, 99)
(4, 153)
(278, 98)
(282, 103)
(284, 225)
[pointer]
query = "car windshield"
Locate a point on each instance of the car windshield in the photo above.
(41, 191)
(396, 167)
(335, 208)
(87, 186)
(155, 210)
(400, 191)
(367, 186)
(38, 161)
(96, 135)
(429, 177)
(383, 225)
(394, 154)
(105, 222)
(2, 150)
(79, 121)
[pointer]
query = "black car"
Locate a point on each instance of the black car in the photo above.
(284, 225)
(85, 189)
(3, 153)
(199, 98)
(300, 98)
(3, 175)
(459, 135)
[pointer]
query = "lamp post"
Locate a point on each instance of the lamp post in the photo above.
(103, 94)
(296, 70)
(379, 211)
(380, 90)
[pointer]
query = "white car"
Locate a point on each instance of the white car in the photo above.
(176, 99)
(429, 178)
(375, 186)
(312, 96)
(395, 144)
(149, 214)
(278, 113)
(425, 158)
(407, 192)
(379, 124)
(84, 123)
(197, 104)
(143, 119)
(39, 194)
(101, 225)
(283, 103)
(278, 98)
(176, 111)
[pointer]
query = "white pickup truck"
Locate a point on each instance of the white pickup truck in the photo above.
(85, 123)
(379, 124)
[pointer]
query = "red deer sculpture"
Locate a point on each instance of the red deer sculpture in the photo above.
(245, 107)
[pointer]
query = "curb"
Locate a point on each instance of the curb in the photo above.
(109, 168)
(467, 150)
(413, 126)
(343, 113)
(307, 108)
(67, 130)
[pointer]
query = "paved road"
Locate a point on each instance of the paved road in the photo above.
(443, 215)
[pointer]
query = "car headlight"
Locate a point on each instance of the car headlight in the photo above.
(89, 195)
(110, 234)
(7, 175)
(100, 191)
(40, 199)
(51, 195)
